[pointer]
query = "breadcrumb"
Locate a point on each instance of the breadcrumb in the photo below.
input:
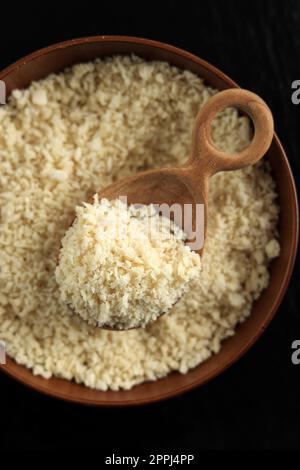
(123, 266)
(141, 123)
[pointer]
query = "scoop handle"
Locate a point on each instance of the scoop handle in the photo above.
(206, 158)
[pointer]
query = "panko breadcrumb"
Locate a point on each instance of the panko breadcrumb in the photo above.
(123, 266)
(105, 120)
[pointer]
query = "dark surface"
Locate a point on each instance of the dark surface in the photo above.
(255, 404)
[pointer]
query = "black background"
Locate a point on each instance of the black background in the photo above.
(255, 404)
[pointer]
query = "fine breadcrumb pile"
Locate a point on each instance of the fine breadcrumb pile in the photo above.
(62, 140)
(123, 266)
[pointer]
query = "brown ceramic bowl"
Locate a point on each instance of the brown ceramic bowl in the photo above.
(53, 59)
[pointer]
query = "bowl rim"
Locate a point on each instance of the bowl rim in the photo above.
(292, 253)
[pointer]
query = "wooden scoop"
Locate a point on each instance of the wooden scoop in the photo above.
(187, 185)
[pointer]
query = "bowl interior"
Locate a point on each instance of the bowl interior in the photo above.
(53, 59)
